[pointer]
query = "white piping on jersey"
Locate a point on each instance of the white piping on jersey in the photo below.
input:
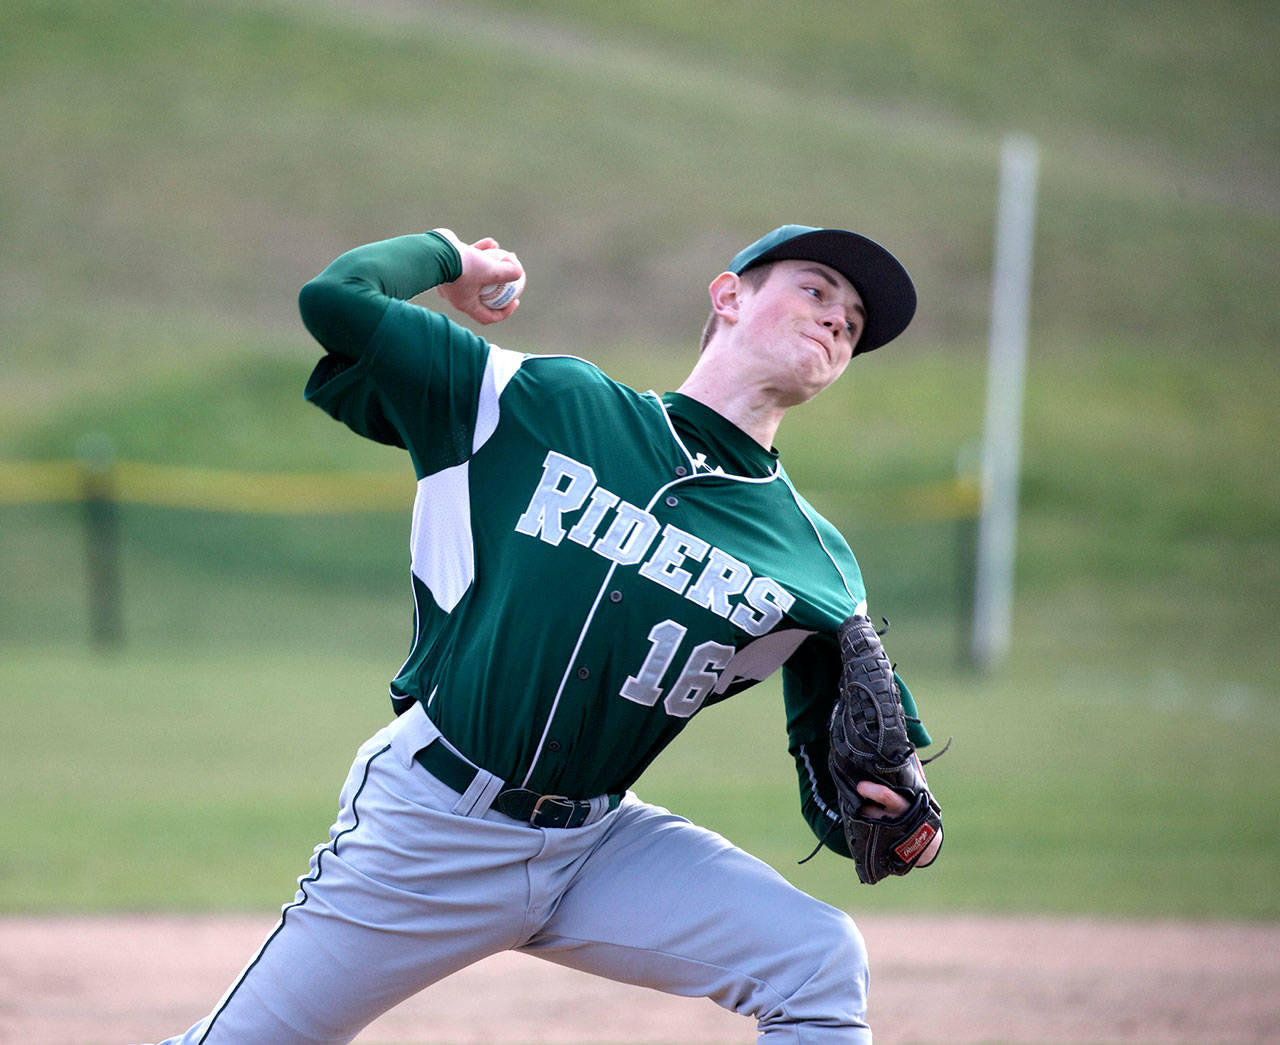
(693, 464)
(823, 808)
(582, 634)
(777, 473)
(417, 617)
(564, 679)
(861, 606)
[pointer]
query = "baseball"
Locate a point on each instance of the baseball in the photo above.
(500, 295)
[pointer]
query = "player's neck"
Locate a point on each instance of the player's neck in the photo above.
(754, 412)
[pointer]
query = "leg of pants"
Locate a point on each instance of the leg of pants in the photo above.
(404, 893)
(407, 891)
(669, 905)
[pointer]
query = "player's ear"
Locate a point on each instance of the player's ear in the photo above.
(726, 296)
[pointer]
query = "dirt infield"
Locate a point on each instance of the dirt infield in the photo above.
(945, 981)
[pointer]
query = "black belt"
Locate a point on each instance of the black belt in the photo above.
(519, 803)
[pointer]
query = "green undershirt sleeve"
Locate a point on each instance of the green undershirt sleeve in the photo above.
(343, 306)
(915, 728)
(810, 680)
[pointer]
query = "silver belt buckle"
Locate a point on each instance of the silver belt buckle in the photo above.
(537, 806)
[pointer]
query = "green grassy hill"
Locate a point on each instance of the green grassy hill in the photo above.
(171, 173)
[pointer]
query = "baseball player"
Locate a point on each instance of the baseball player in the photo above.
(590, 566)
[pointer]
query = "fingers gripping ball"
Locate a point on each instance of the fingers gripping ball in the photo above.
(500, 295)
(869, 742)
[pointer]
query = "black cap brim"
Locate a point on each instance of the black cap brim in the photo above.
(880, 279)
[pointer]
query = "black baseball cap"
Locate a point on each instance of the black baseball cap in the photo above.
(885, 288)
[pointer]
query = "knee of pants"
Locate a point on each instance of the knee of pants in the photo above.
(835, 961)
(847, 938)
(823, 998)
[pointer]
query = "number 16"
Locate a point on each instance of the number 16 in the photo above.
(696, 680)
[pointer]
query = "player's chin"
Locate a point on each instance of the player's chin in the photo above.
(816, 383)
(802, 376)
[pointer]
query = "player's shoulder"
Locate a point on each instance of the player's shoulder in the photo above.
(563, 366)
(556, 374)
(825, 529)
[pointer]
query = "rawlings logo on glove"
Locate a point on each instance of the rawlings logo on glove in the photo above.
(869, 742)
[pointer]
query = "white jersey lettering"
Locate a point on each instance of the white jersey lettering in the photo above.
(584, 532)
(628, 536)
(698, 679)
(553, 498)
(722, 578)
(645, 686)
(663, 566)
(725, 585)
(768, 599)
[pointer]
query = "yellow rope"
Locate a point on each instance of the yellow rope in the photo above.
(319, 493)
(166, 486)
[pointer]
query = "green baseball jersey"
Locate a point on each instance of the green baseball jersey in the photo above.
(590, 565)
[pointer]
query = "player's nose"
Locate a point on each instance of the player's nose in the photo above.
(833, 316)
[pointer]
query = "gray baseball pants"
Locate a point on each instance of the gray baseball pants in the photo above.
(417, 882)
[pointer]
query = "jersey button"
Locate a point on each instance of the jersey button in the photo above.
(672, 501)
(553, 745)
(615, 596)
(584, 673)
(681, 471)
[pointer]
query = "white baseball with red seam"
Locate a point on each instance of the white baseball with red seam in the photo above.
(500, 295)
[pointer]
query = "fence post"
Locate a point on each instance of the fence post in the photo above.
(1006, 376)
(96, 455)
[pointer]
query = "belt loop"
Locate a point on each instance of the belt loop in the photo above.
(413, 731)
(599, 806)
(478, 798)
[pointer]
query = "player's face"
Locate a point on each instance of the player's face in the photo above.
(802, 324)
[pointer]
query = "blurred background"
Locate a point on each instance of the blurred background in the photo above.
(179, 713)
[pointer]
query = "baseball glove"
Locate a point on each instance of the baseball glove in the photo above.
(869, 742)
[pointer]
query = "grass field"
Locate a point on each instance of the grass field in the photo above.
(1106, 768)
(161, 782)
(168, 180)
